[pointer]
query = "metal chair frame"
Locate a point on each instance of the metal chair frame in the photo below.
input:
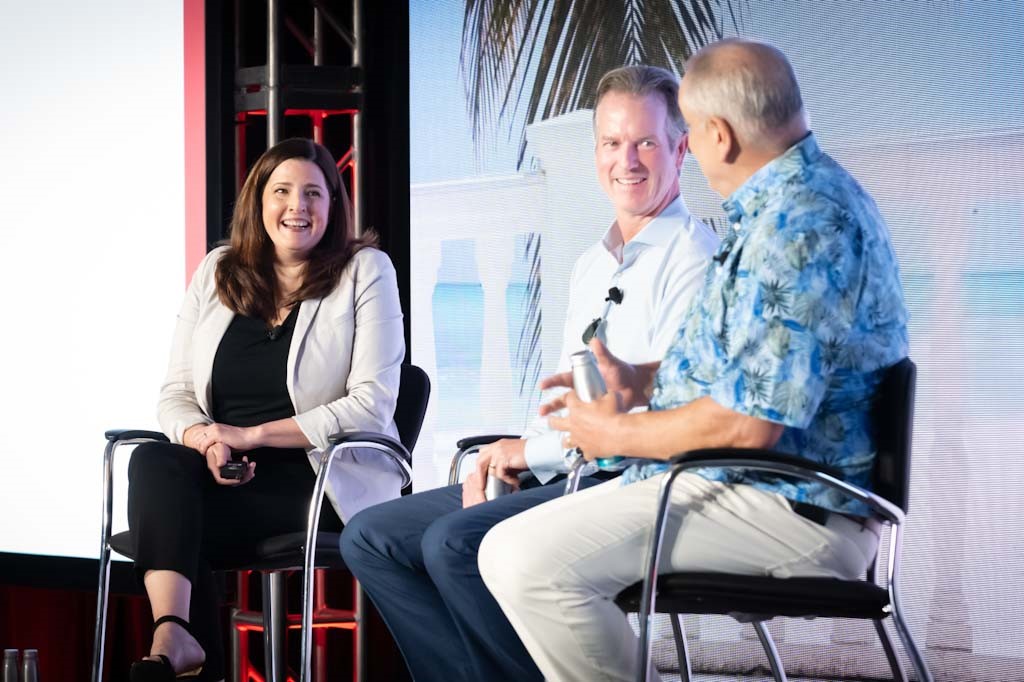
(274, 614)
(467, 447)
(354, 440)
(889, 513)
(114, 440)
(895, 440)
(470, 446)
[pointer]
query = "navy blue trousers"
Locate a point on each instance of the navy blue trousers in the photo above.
(416, 559)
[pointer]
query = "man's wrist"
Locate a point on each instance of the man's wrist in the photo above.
(645, 388)
(617, 437)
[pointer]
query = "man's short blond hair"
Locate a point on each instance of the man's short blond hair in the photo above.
(641, 81)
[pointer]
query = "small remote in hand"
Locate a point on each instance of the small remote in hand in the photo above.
(234, 471)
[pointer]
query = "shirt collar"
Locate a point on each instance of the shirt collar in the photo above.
(745, 200)
(659, 232)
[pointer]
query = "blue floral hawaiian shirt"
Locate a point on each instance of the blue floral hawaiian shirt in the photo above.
(799, 315)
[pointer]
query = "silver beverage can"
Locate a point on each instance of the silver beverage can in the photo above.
(586, 380)
(589, 386)
(495, 487)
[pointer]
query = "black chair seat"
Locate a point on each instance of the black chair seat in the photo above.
(723, 593)
(278, 553)
(122, 544)
(284, 552)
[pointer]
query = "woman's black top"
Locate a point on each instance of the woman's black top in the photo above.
(250, 372)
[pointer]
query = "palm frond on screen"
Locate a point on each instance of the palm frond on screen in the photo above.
(548, 55)
(527, 357)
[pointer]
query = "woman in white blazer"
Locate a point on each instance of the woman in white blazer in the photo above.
(288, 334)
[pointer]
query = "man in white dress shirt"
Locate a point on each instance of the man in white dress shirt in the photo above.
(416, 556)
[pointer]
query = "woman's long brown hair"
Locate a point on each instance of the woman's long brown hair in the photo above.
(245, 277)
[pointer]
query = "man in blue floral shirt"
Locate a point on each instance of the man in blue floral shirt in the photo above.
(783, 348)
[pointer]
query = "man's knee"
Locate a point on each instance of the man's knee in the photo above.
(507, 565)
(448, 545)
(364, 536)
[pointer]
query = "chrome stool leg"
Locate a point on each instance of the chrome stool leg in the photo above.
(360, 632)
(274, 626)
(682, 650)
(102, 599)
(778, 672)
(898, 674)
(923, 673)
(235, 639)
(103, 593)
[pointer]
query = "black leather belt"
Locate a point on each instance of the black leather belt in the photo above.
(811, 512)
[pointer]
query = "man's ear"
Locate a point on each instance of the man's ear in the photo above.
(681, 148)
(723, 136)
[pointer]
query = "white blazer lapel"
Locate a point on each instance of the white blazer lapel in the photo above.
(307, 313)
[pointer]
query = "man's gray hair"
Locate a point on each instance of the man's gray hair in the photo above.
(640, 81)
(748, 83)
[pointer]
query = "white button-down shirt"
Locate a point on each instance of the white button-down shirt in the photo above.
(658, 273)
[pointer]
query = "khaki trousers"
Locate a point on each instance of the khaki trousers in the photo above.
(555, 569)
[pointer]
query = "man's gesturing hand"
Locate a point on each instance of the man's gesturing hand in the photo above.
(504, 458)
(591, 427)
(631, 382)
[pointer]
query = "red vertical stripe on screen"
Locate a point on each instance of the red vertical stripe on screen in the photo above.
(195, 134)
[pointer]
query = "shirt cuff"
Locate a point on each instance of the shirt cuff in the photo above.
(545, 455)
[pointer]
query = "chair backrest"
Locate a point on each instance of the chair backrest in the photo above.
(894, 426)
(413, 394)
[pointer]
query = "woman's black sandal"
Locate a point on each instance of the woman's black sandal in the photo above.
(161, 670)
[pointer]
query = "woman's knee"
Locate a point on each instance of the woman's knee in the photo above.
(161, 463)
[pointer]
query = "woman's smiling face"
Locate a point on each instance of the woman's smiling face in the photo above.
(295, 207)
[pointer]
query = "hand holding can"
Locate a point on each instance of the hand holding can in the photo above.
(495, 487)
(589, 386)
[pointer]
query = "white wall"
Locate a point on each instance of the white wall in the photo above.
(92, 244)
